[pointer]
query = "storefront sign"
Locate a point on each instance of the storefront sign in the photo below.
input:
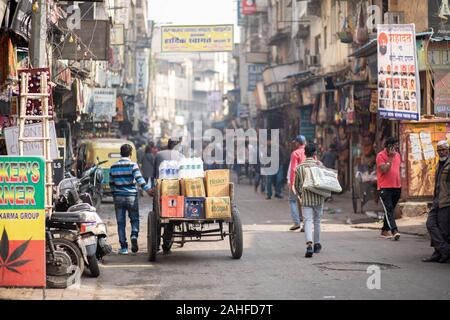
(438, 18)
(121, 14)
(213, 38)
(441, 91)
(33, 130)
(103, 104)
(255, 75)
(22, 221)
(398, 77)
(117, 35)
(248, 7)
(240, 16)
(141, 71)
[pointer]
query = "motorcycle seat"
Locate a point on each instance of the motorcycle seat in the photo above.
(81, 207)
(73, 217)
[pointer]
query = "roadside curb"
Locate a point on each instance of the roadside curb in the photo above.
(403, 232)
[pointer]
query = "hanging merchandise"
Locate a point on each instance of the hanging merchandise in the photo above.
(373, 101)
(337, 114)
(350, 106)
(362, 34)
(322, 114)
(8, 60)
(346, 34)
(315, 110)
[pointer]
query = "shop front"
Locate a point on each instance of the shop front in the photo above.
(419, 160)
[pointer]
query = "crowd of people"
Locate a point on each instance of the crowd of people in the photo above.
(306, 206)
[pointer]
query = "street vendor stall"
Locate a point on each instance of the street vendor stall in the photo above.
(419, 158)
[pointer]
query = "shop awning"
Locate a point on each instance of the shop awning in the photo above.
(279, 73)
(370, 47)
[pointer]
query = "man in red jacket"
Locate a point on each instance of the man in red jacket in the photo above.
(297, 157)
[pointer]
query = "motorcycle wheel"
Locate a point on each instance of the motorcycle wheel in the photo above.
(72, 250)
(93, 266)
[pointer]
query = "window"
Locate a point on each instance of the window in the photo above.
(325, 37)
(317, 45)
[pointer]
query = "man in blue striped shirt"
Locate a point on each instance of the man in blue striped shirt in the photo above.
(123, 176)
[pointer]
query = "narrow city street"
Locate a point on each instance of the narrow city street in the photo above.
(273, 265)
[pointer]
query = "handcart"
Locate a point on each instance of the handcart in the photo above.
(181, 230)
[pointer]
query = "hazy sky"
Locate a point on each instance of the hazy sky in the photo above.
(194, 12)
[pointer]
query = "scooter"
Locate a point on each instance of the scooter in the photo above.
(91, 182)
(79, 223)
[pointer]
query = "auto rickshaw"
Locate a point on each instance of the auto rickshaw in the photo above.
(93, 151)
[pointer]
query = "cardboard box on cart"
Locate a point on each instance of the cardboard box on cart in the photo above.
(218, 208)
(217, 183)
(193, 187)
(170, 188)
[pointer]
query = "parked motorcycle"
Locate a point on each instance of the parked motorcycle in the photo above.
(78, 222)
(63, 261)
(91, 183)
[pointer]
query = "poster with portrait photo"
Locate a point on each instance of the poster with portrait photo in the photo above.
(400, 88)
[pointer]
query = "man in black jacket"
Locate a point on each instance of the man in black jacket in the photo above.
(438, 222)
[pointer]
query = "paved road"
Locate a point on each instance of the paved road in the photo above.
(272, 267)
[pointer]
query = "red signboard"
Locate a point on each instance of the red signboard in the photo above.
(248, 7)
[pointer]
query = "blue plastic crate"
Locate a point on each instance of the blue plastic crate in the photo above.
(194, 208)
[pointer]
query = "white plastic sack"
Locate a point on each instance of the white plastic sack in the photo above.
(325, 179)
(308, 184)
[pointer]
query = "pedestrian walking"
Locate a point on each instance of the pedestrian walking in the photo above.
(311, 203)
(147, 161)
(297, 157)
(330, 157)
(438, 221)
(169, 154)
(329, 160)
(275, 180)
(389, 186)
(123, 177)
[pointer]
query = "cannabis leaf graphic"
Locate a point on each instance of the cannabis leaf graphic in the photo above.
(10, 262)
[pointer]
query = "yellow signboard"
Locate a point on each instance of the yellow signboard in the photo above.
(212, 38)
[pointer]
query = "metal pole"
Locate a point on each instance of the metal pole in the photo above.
(38, 35)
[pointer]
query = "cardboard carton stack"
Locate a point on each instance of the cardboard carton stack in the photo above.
(197, 198)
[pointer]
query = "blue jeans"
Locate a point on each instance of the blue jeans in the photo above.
(311, 214)
(122, 204)
(277, 180)
(294, 208)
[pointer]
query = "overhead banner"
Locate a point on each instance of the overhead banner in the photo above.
(213, 38)
(22, 221)
(398, 77)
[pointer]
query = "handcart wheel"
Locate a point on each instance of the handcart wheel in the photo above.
(168, 237)
(152, 236)
(236, 237)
